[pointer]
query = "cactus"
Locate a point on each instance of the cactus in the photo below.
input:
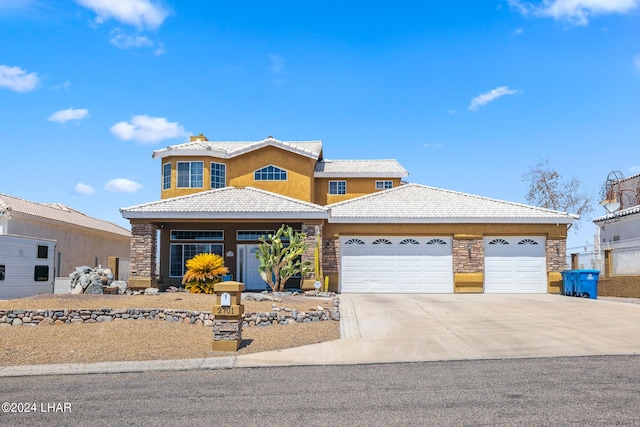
(203, 272)
(279, 261)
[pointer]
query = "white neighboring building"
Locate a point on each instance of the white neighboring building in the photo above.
(26, 266)
(620, 230)
(80, 239)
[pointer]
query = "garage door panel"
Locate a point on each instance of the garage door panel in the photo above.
(515, 265)
(408, 268)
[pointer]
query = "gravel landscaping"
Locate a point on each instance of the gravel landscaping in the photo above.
(149, 339)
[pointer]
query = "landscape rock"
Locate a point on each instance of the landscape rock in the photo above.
(151, 291)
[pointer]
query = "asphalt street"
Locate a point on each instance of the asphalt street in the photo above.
(581, 391)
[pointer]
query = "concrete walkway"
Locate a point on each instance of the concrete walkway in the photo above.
(413, 328)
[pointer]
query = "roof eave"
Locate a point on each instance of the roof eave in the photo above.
(224, 215)
(380, 175)
(459, 220)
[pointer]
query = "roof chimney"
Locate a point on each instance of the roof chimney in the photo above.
(200, 137)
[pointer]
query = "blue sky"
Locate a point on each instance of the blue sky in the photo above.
(467, 95)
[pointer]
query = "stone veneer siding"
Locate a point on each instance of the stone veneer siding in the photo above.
(556, 254)
(468, 259)
(331, 256)
(309, 255)
(144, 244)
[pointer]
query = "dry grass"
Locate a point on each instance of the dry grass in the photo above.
(146, 339)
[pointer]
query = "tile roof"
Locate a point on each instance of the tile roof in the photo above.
(360, 168)
(228, 202)
(58, 212)
(618, 214)
(415, 203)
(228, 149)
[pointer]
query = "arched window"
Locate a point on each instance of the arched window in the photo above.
(381, 242)
(354, 242)
(436, 242)
(498, 242)
(527, 242)
(270, 173)
(409, 242)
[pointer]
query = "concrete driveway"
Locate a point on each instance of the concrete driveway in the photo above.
(411, 328)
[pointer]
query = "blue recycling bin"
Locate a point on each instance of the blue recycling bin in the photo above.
(586, 282)
(568, 283)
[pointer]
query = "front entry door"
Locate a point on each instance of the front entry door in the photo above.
(248, 268)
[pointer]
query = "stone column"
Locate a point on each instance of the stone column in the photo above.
(556, 253)
(309, 256)
(468, 263)
(144, 244)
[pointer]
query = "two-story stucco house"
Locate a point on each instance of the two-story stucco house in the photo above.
(378, 233)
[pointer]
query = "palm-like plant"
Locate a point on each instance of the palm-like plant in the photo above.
(203, 272)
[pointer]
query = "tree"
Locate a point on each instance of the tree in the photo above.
(278, 260)
(203, 272)
(547, 189)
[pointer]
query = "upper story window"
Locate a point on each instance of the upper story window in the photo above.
(218, 175)
(166, 176)
(190, 174)
(197, 235)
(270, 173)
(337, 187)
(383, 185)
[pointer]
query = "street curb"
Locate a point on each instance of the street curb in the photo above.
(208, 363)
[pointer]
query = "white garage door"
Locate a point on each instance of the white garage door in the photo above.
(515, 265)
(396, 264)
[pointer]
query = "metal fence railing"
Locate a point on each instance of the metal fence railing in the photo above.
(625, 256)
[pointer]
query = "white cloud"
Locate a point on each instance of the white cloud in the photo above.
(636, 62)
(577, 12)
(83, 189)
(432, 145)
(159, 50)
(66, 85)
(125, 41)
(634, 169)
(63, 116)
(139, 13)
(122, 185)
(148, 129)
(17, 79)
(492, 95)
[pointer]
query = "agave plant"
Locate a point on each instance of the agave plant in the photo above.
(203, 272)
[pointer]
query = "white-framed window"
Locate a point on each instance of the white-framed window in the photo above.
(166, 176)
(218, 175)
(253, 234)
(337, 187)
(383, 185)
(180, 253)
(190, 174)
(270, 173)
(198, 235)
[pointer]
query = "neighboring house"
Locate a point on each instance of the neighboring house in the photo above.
(80, 239)
(378, 234)
(619, 229)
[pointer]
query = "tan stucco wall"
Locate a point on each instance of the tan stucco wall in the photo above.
(78, 246)
(356, 187)
(240, 169)
(619, 286)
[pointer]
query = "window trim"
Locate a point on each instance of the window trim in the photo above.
(264, 171)
(382, 184)
(223, 169)
(183, 260)
(337, 189)
(166, 177)
(191, 175)
(196, 238)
